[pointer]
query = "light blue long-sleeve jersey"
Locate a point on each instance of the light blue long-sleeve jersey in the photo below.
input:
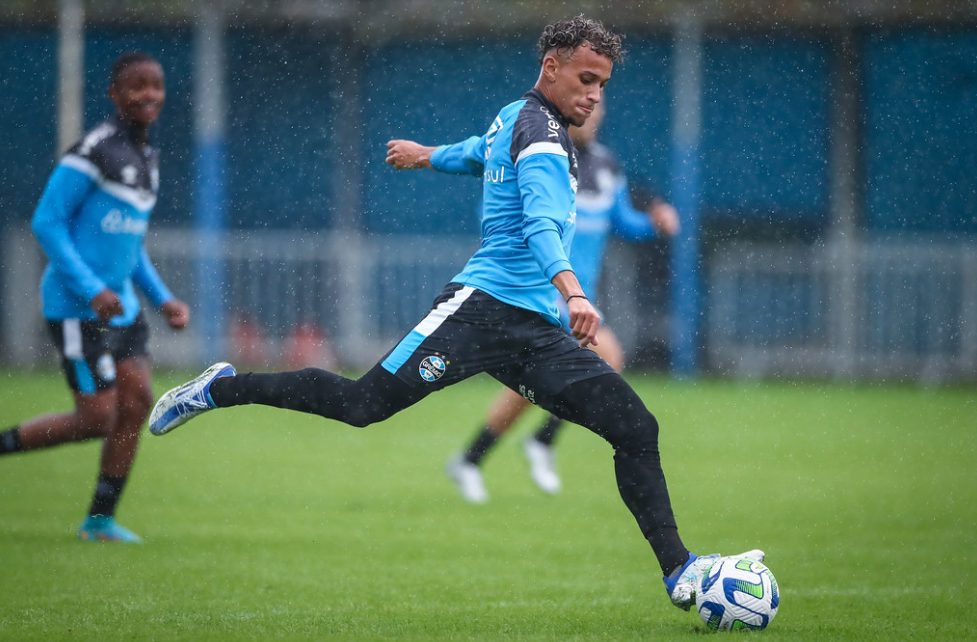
(91, 222)
(528, 167)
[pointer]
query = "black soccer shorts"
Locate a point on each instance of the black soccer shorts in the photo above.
(90, 349)
(469, 331)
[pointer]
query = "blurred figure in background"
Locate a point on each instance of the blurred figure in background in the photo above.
(603, 207)
(91, 222)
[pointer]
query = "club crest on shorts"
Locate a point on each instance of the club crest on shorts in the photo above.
(432, 368)
(105, 366)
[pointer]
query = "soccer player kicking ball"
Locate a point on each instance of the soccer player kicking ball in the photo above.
(498, 314)
(91, 221)
(603, 206)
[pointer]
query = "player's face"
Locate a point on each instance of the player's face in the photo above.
(578, 82)
(138, 93)
(586, 133)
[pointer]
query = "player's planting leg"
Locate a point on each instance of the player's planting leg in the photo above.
(134, 397)
(609, 407)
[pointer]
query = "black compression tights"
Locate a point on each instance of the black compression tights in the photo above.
(360, 402)
(606, 405)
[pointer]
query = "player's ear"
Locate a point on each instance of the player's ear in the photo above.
(551, 65)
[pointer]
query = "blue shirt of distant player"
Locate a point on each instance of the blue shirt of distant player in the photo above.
(529, 171)
(91, 222)
(603, 206)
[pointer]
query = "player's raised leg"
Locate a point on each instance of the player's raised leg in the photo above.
(412, 370)
(373, 397)
(93, 417)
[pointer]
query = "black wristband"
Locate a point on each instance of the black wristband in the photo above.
(576, 296)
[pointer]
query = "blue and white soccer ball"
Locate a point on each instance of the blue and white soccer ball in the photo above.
(737, 594)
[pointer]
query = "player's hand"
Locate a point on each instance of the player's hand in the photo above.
(406, 154)
(584, 321)
(106, 304)
(177, 313)
(665, 218)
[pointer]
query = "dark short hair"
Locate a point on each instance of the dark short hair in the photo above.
(128, 59)
(567, 35)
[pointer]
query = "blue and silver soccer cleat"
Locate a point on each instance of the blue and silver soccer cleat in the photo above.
(103, 528)
(183, 403)
(683, 587)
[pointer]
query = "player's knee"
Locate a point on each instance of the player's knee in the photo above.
(362, 417)
(136, 403)
(96, 420)
(640, 436)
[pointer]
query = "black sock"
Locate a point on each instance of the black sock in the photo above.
(547, 432)
(10, 440)
(108, 490)
(480, 446)
(674, 572)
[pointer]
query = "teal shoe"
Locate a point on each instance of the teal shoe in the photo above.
(102, 528)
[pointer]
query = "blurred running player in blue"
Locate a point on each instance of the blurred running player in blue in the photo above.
(91, 222)
(498, 315)
(603, 207)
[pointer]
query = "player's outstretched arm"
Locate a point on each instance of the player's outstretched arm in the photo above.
(407, 154)
(465, 157)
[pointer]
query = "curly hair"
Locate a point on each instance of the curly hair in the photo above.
(567, 35)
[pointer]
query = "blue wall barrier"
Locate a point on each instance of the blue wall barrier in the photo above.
(766, 132)
(29, 128)
(921, 132)
(280, 129)
(435, 94)
(764, 152)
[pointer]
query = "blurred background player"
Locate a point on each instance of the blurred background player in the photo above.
(91, 222)
(603, 206)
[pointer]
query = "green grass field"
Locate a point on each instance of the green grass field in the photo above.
(263, 524)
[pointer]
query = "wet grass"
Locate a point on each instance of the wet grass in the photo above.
(263, 524)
